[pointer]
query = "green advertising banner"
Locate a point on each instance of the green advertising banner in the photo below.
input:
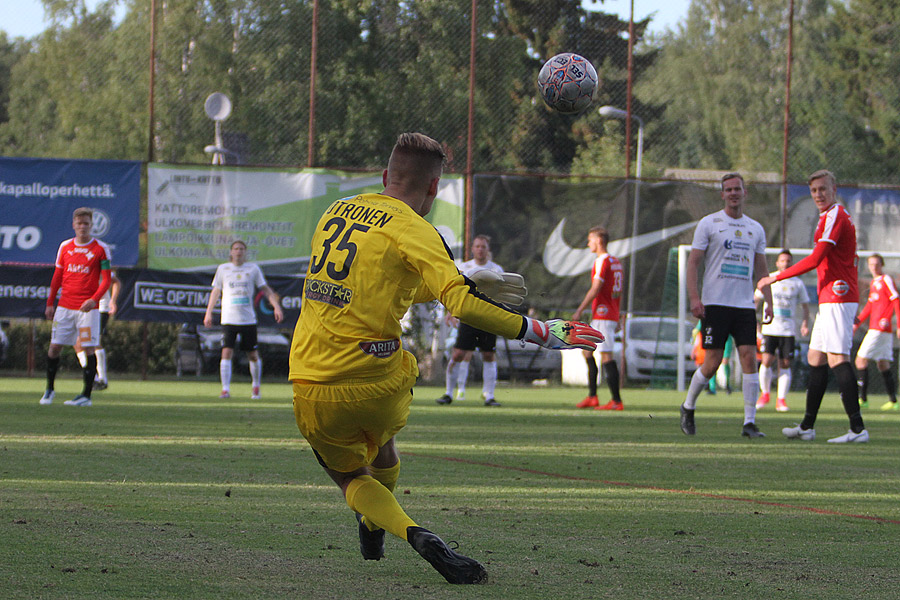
(196, 212)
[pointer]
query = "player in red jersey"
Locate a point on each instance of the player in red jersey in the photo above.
(834, 258)
(82, 271)
(878, 345)
(607, 279)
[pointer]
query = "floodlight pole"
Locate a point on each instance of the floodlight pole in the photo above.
(611, 112)
(217, 107)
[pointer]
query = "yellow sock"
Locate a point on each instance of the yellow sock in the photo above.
(386, 477)
(377, 504)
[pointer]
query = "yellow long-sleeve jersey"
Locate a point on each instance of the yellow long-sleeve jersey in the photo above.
(372, 257)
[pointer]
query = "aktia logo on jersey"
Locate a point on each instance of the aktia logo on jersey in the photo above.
(564, 261)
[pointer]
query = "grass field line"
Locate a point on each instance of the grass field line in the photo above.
(691, 492)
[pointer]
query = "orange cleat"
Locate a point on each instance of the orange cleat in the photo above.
(611, 405)
(589, 402)
(763, 400)
(781, 405)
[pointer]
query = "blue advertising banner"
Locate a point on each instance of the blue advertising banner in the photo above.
(875, 212)
(146, 295)
(39, 195)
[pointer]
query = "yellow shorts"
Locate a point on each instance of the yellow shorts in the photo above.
(347, 435)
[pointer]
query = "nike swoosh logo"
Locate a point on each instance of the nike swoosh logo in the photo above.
(564, 261)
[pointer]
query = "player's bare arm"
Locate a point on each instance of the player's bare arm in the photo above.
(695, 259)
(761, 271)
(214, 296)
(275, 301)
(596, 286)
(115, 287)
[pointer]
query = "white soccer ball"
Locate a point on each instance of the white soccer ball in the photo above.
(567, 83)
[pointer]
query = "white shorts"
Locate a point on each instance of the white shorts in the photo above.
(71, 325)
(877, 345)
(608, 329)
(833, 329)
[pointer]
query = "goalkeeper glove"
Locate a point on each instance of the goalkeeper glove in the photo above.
(508, 288)
(558, 334)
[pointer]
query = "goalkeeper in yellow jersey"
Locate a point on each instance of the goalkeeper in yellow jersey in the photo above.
(373, 255)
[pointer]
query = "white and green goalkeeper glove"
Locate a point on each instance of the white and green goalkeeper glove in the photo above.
(508, 288)
(558, 334)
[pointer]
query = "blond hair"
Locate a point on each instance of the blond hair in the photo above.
(820, 174)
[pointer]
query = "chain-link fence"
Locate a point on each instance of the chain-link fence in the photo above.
(330, 83)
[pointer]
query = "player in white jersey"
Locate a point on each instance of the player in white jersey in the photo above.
(236, 283)
(732, 248)
(469, 338)
(780, 333)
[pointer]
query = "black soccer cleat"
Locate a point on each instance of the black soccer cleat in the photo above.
(687, 421)
(455, 567)
(445, 399)
(750, 430)
(371, 543)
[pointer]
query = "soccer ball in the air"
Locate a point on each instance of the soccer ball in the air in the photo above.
(567, 83)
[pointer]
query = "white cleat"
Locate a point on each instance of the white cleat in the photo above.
(47, 398)
(850, 437)
(807, 435)
(79, 400)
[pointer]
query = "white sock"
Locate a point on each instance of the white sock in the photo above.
(698, 384)
(255, 372)
(462, 374)
(225, 374)
(784, 382)
(82, 358)
(489, 374)
(751, 389)
(100, 353)
(765, 379)
(451, 377)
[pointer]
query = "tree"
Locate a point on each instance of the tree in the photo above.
(73, 93)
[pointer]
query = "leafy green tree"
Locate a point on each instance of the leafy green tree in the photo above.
(73, 93)
(865, 52)
(720, 76)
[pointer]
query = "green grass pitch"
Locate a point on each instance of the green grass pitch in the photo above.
(161, 490)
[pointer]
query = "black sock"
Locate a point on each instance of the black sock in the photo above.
(88, 373)
(818, 381)
(862, 381)
(52, 368)
(611, 371)
(890, 384)
(849, 395)
(592, 375)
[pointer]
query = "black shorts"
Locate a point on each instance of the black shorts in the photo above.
(722, 321)
(469, 338)
(781, 346)
(247, 333)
